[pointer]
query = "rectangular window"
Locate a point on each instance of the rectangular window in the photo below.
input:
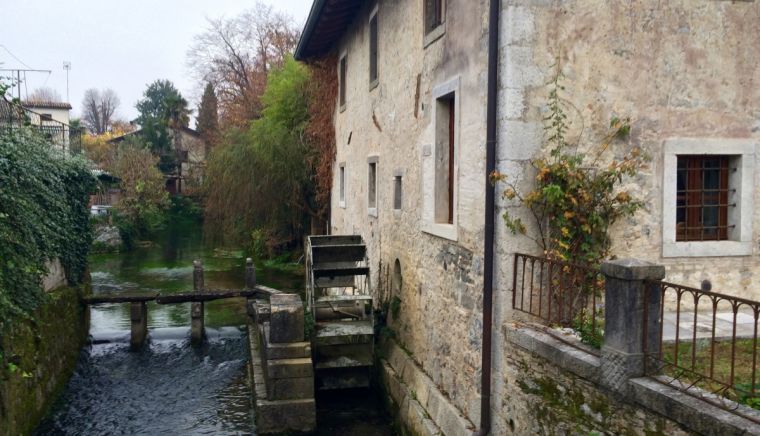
(342, 184)
(372, 186)
(46, 117)
(342, 81)
(702, 193)
(373, 49)
(397, 192)
(445, 159)
(434, 14)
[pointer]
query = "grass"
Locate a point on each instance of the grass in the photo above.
(695, 357)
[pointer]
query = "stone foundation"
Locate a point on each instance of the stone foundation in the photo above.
(44, 353)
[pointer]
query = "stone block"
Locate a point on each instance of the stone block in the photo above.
(289, 368)
(292, 350)
(286, 320)
(285, 416)
(261, 311)
(290, 388)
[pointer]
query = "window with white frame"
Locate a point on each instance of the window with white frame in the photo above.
(342, 73)
(342, 185)
(373, 49)
(441, 164)
(372, 185)
(708, 197)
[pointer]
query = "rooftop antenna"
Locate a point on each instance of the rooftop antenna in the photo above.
(67, 67)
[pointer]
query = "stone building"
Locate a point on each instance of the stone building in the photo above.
(190, 151)
(410, 168)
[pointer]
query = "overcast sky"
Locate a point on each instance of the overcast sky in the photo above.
(123, 45)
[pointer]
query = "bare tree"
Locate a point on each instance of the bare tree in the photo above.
(45, 95)
(98, 110)
(236, 54)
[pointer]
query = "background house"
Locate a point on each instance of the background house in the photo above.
(190, 151)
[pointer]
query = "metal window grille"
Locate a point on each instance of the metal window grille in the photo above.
(703, 198)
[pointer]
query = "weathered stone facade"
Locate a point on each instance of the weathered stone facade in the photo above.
(439, 320)
(678, 69)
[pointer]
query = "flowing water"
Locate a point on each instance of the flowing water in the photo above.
(171, 387)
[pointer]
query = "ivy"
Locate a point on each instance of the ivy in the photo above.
(575, 199)
(44, 215)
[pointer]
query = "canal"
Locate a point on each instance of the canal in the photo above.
(171, 387)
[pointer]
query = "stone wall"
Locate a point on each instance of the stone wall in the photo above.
(440, 286)
(45, 350)
(678, 69)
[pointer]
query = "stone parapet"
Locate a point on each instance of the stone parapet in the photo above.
(282, 370)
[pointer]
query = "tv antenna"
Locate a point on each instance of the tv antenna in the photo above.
(67, 67)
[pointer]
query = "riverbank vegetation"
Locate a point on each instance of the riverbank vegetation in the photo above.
(44, 215)
(269, 175)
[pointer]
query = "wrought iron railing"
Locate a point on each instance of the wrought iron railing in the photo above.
(61, 135)
(560, 294)
(707, 344)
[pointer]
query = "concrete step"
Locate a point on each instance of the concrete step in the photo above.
(343, 332)
(344, 361)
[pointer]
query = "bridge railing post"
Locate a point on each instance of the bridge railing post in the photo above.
(196, 307)
(139, 322)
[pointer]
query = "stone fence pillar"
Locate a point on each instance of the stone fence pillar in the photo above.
(626, 299)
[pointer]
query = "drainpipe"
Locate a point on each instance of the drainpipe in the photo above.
(490, 213)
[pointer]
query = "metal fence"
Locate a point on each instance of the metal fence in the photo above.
(560, 293)
(61, 135)
(708, 341)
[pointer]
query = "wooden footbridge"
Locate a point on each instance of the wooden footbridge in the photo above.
(197, 297)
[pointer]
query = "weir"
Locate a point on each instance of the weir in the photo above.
(281, 371)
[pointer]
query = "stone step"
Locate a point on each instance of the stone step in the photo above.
(343, 332)
(338, 253)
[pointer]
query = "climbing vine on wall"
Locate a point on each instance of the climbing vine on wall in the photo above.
(323, 91)
(44, 215)
(575, 198)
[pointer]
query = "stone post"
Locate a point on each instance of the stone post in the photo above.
(139, 318)
(196, 307)
(250, 274)
(626, 299)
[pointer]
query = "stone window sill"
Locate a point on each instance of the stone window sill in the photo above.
(446, 231)
(342, 204)
(434, 35)
(372, 211)
(373, 84)
(707, 248)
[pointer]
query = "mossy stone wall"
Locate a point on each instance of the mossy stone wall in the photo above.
(45, 350)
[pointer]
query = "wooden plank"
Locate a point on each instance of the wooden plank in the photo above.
(343, 298)
(335, 240)
(204, 295)
(340, 272)
(119, 297)
(338, 253)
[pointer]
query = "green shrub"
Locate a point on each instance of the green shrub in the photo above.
(44, 215)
